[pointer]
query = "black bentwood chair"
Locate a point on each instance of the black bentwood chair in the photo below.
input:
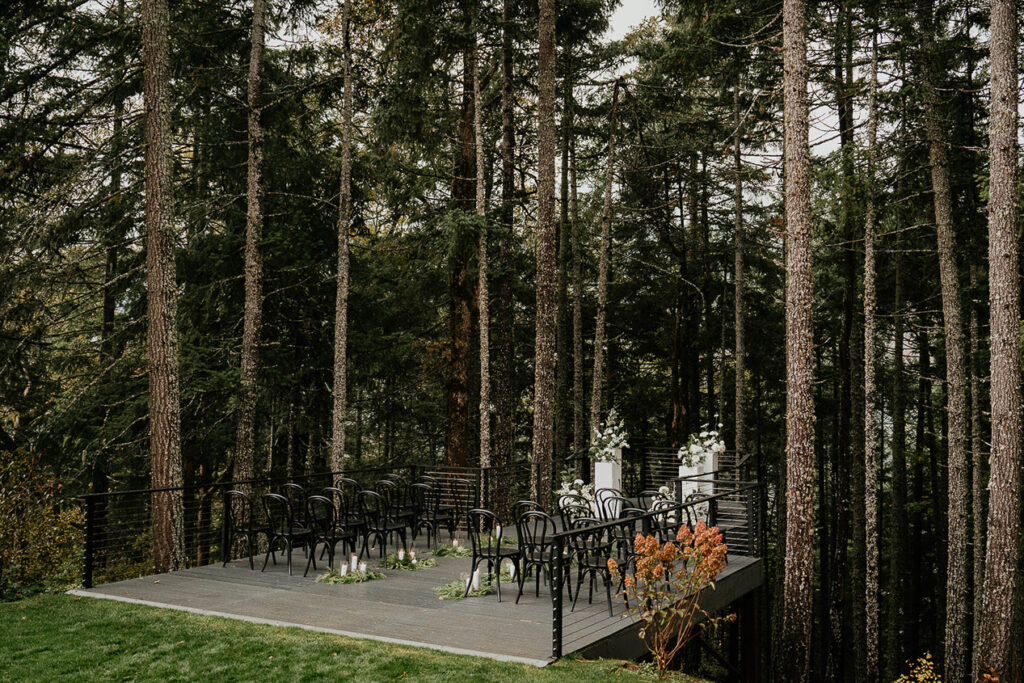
(592, 549)
(379, 524)
(348, 527)
(240, 518)
(535, 529)
(485, 536)
(282, 527)
(323, 528)
(430, 515)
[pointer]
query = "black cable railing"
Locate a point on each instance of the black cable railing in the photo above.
(117, 534)
(588, 622)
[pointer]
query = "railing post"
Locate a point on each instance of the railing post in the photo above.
(225, 550)
(556, 597)
(88, 548)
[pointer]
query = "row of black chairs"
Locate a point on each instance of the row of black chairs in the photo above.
(346, 514)
(589, 548)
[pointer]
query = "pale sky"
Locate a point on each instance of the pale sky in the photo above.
(629, 14)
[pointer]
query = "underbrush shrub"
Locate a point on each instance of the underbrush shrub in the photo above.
(40, 532)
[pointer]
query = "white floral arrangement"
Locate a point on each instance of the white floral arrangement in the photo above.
(608, 442)
(701, 446)
(667, 493)
(576, 488)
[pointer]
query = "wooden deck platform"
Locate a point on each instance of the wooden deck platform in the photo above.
(404, 609)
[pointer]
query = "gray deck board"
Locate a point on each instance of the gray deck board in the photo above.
(402, 608)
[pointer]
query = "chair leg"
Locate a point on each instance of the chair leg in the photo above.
(270, 550)
(288, 546)
(497, 578)
(252, 550)
(469, 583)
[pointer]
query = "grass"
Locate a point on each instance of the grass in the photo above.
(50, 637)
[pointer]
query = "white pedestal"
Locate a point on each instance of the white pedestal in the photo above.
(607, 475)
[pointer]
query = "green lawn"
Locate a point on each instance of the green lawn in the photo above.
(60, 636)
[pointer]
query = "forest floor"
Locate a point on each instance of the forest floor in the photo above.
(60, 636)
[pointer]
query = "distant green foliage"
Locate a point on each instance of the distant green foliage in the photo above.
(40, 544)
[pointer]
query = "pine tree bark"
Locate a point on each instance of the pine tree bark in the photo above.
(799, 562)
(245, 443)
(977, 476)
(161, 297)
(461, 289)
(739, 345)
(504, 320)
(482, 285)
(956, 573)
(579, 420)
(870, 456)
(544, 346)
(1002, 552)
(344, 219)
(563, 363)
(602, 275)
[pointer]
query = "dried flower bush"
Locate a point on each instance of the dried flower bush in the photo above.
(666, 589)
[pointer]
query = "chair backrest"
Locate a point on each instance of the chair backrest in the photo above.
(321, 515)
(392, 491)
(423, 498)
(279, 511)
(601, 494)
(570, 513)
(340, 501)
(666, 523)
(464, 494)
(239, 509)
(348, 485)
(521, 507)
(612, 506)
(535, 529)
(374, 508)
(484, 531)
(572, 499)
(589, 546)
(296, 496)
(646, 498)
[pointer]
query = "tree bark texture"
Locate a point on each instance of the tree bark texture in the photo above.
(245, 443)
(504, 320)
(956, 573)
(462, 289)
(1001, 555)
(579, 420)
(799, 562)
(870, 456)
(544, 346)
(344, 219)
(161, 297)
(482, 290)
(602, 275)
(738, 285)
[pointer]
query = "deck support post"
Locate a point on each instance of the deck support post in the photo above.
(747, 609)
(556, 596)
(89, 546)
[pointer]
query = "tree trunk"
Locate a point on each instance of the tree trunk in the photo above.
(602, 275)
(563, 408)
(461, 289)
(544, 348)
(245, 448)
(1001, 557)
(579, 420)
(870, 457)
(956, 573)
(482, 291)
(504, 313)
(161, 297)
(799, 563)
(344, 219)
(739, 343)
(977, 475)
